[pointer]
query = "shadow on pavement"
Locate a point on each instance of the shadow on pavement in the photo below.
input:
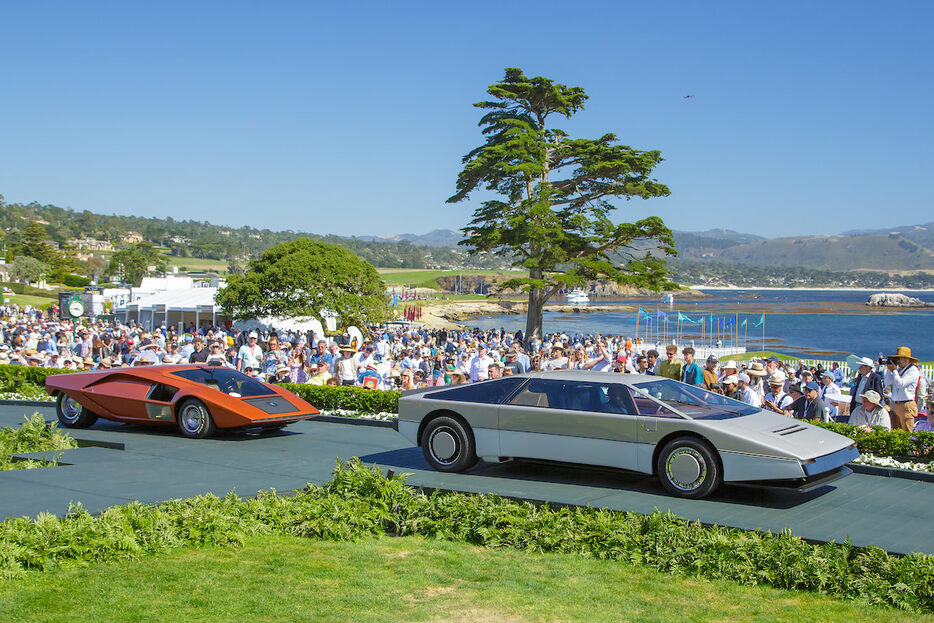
(598, 478)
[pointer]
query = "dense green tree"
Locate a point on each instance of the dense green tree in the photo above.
(33, 243)
(130, 265)
(553, 208)
(304, 278)
(26, 268)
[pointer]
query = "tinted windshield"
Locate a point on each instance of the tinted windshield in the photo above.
(695, 402)
(226, 380)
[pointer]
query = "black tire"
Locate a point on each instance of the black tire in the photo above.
(194, 419)
(448, 445)
(71, 414)
(689, 468)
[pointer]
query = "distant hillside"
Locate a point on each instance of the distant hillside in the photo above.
(876, 251)
(922, 234)
(436, 238)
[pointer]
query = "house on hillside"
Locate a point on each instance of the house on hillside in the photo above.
(91, 244)
(131, 237)
(5, 271)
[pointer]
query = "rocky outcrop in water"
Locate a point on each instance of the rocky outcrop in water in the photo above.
(895, 299)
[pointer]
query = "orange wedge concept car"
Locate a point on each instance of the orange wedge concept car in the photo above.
(197, 398)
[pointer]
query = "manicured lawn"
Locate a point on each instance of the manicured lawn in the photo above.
(426, 278)
(197, 264)
(28, 299)
(406, 579)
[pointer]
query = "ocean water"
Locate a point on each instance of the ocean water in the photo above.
(805, 323)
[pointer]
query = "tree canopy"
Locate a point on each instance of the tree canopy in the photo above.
(26, 268)
(304, 278)
(554, 192)
(132, 264)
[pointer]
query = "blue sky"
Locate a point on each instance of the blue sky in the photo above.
(806, 117)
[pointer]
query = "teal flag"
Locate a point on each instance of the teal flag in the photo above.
(744, 323)
(761, 320)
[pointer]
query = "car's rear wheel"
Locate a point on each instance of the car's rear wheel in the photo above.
(448, 445)
(72, 414)
(195, 420)
(688, 468)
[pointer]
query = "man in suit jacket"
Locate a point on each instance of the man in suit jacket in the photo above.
(866, 379)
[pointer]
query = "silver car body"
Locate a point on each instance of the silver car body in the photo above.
(564, 416)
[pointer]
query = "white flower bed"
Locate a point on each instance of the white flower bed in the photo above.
(383, 416)
(16, 396)
(886, 461)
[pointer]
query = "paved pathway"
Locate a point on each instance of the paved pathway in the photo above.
(152, 466)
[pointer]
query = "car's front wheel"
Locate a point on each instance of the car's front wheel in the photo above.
(448, 445)
(71, 414)
(194, 419)
(688, 468)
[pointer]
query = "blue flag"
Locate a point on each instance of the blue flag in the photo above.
(662, 315)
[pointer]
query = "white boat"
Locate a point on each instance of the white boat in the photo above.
(668, 298)
(577, 295)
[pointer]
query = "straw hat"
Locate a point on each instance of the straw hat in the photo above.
(904, 351)
(346, 348)
(731, 380)
(756, 369)
(282, 368)
(88, 361)
(872, 396)
(106, 362)
(778, 378)
(729, 365)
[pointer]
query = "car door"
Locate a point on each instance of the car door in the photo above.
(572, 421)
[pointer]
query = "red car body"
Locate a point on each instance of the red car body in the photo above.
(154, 394)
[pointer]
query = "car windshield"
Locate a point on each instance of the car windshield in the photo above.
(694, 402)
(226, 380)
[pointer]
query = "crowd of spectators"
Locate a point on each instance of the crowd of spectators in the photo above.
(406, 357)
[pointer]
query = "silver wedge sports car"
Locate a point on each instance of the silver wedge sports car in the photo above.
(692, 439)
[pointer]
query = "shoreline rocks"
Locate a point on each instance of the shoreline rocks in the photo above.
(895, 299)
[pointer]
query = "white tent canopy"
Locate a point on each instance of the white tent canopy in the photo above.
(297, 325)
(193, 305)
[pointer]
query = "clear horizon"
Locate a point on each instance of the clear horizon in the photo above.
(804, 119)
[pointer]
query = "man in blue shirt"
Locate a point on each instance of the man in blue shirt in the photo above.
(691, 373)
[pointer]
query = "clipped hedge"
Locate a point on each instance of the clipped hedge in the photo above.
(28, 374)
(349, 398)
(359, 503)
(918, 446)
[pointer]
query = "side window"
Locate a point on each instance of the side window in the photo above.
(487, 392)
(539, 393)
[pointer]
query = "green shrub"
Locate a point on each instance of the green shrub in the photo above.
(918, 446)
(13, 376)
(350, 398)
(75, 281)
(33, 435)
(359, 502)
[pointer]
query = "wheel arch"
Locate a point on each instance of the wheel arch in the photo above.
(684, 433)
(444, 412)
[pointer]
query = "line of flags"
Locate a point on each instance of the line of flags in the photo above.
(712, 321)
(412, 312)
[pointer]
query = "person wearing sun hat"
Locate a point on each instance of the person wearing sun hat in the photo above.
(902, 376)
(870, 412)
(866, 379)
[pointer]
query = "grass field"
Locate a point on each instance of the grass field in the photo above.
(404, 579)
(427, 278)
(28, 299)
(197, 264)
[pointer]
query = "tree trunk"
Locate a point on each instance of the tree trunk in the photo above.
(533, 319)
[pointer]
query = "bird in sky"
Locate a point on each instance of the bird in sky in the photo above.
(687, 97)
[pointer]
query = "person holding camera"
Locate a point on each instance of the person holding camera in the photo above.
(902, 376)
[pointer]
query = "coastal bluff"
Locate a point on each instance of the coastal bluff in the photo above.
(895, 299)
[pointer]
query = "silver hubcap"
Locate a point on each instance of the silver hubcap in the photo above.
(443, 445)
(686, 469)
(71, 410)
(192, 418)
